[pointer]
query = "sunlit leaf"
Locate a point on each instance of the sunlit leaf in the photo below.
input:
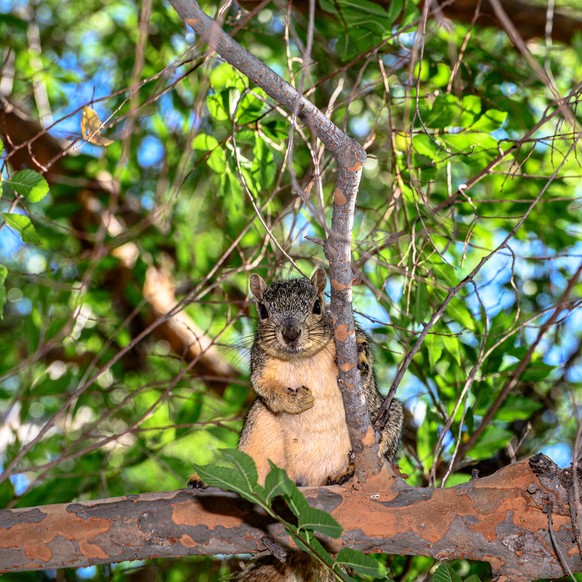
(91, 128)
(23, 226)
(28, 184)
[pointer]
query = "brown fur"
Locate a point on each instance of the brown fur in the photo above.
(298, 420)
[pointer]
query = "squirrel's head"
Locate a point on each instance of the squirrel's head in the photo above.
(292, 318)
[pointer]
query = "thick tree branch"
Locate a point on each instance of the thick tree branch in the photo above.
(350, 157)
(502, 519)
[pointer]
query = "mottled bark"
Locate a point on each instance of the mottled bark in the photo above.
(350, 158)
(502, 519)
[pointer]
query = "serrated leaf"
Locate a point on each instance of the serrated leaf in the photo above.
(28, 184)
(243, 465)
(277, 483)
(314, 519)
(225, 478)
(23, 226)
(3, 275)
(361, 563)
(473, 578)
(444, 573)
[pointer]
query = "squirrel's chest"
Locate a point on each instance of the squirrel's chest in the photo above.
(317, 441)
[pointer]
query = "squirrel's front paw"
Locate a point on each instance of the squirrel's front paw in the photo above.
(300, 399)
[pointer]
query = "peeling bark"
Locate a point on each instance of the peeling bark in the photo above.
(501, 519)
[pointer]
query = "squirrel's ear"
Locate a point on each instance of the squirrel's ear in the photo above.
(257, 286)
(319, 280)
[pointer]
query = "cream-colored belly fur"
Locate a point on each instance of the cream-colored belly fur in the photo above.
(316, 441)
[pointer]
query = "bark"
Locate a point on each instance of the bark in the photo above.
(502, 519)
(350, 158)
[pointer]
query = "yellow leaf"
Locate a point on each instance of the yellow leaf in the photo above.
(91, 128)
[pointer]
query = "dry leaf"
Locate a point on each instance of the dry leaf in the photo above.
(91, 128)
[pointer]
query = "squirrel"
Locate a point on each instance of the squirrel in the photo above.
(298, 420)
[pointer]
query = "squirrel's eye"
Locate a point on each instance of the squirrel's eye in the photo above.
(317, 307)
(263, 311)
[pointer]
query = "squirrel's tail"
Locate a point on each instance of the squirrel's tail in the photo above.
(298, 567)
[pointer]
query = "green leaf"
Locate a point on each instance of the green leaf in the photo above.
(537, 371)
(471, 108)
(243, 464)
(473, 578)
(315, 519)
(434, 348)
(425, 440)
(451, 344)
(3, 275)
(277, 483)
(218, 105)
(490, 120)
(517, 407)
(28, 184)
(224, 478)
(446, 111)
(6, 493)
(216, 159)
(361, 563)
(241, 478)
(492, 440)
(444, 573)
(312, 546)
(23, 226)
(225, 76)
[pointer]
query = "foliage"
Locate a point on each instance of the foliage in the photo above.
(240, 476)
(470, 202)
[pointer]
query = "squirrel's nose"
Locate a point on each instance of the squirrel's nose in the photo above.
(290, 334)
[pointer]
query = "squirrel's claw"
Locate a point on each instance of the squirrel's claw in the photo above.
(301, 399)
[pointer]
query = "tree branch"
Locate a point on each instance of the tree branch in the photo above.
(350, 157)
(500, 519)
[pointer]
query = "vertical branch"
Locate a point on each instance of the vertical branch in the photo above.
(350, 157)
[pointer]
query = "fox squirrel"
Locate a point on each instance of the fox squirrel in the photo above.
(298, 420)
